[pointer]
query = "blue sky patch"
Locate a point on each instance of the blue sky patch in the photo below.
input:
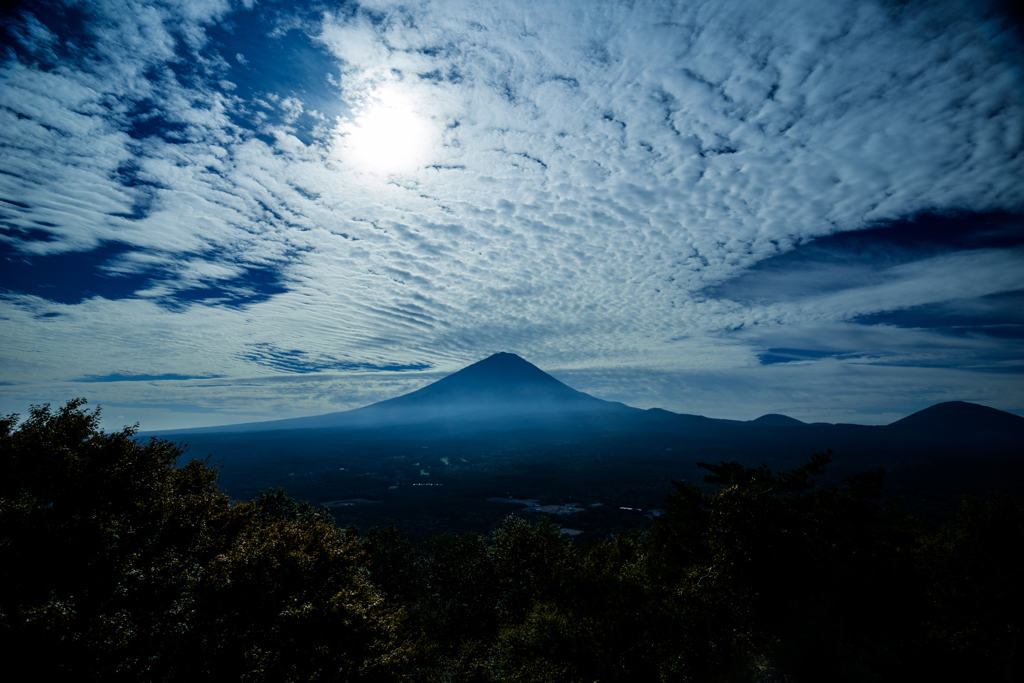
(254, 285)
(72, 277)
(998, 315)
(69, 277)
(854, 259)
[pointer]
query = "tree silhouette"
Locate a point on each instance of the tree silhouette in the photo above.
(120, 565)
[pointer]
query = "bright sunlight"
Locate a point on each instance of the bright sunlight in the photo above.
(388, 136)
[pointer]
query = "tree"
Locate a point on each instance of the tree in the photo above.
(818, 584)
(970, 568)
(121, 565)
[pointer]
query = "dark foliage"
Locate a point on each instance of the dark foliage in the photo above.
(119, 565)
(970, 570)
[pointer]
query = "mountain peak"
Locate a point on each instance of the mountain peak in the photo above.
(501, 368)
(504, 357)
(503, 381)
(502, 386)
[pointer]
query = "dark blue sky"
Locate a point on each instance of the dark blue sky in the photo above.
(216, 211)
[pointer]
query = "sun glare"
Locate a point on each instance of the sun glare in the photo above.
(388, 136)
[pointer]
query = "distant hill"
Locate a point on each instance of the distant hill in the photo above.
(960, 419)
(776, 420)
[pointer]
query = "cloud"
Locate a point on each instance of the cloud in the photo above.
(607, 185)
(299, 361)
(136, 378)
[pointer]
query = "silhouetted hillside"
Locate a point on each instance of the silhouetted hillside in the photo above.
(963, 421)
(776, 420)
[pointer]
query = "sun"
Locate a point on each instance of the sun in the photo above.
(388, 136)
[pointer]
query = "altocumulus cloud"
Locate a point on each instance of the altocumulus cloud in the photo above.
(258, 210)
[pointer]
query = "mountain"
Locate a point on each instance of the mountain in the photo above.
(962, 420)
(502, 387)
(506, 392)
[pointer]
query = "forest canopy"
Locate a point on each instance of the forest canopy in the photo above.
(122, 563)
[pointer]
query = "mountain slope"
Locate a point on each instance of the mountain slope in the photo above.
(500, 387)
(502, 384)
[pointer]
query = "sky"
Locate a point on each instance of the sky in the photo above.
(215, 212)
